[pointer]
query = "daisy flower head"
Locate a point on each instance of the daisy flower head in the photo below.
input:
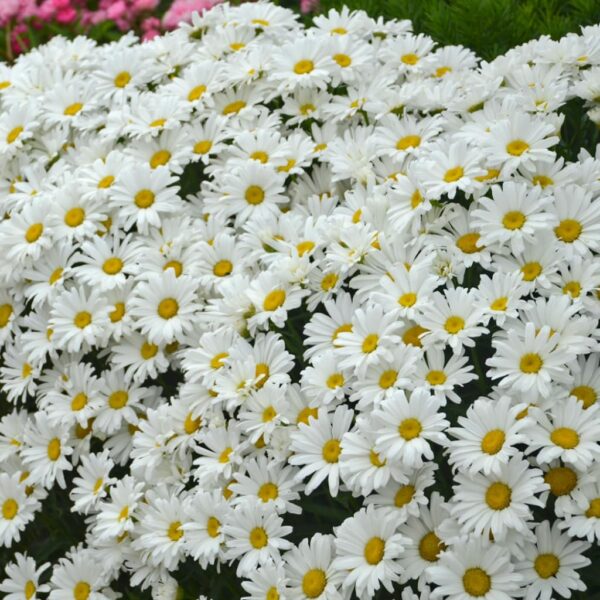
(550, 564)
(406, 426)
(317, 446)
(310, 569)
(488, 435)
(475, 569)
(164, 306)
(367, 547)
(515, 215)
(256, 536)
(497, 502)
(23, 578)
(519, 140)
(569, 432)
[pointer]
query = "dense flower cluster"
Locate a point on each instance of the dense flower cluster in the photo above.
(20, 17)
(247, 262)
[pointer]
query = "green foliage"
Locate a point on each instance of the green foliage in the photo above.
(488, 27)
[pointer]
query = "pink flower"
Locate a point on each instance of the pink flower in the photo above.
(116, 10)
(9, 9)
(307, 6)
(66, 15)
(144, 5)
(181, 10)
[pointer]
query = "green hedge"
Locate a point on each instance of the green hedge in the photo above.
(488, 27)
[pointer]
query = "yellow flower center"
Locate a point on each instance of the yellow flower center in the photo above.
(6, 311)
(546, 565)
(117, 314)
(10, 508)
(79, 401)
(148, 350)
(585, 393)
(13, 134)
(168, 308)
(370, 343)
(409, 59)
(274, 300)
(454, 324)
(26, 371)
(158, 123)
(144, 198)
(517, 147)
(436, 377)
(467, 243)
(272, 594)
(542, 180)
(573, 288)
(260, 156)
(412, 336)
(453, 174)
(568, 230)
(407, 300)
(531, 270)
(531, 363)
(191, 425)
(29, 590)
(82, 319)
(112, 265)
(408, 141)
(562, 480)
(73, 109)
(268, 491)
(388, 378)
(98, 485)
(376, 459)
(441, 71)
(106, 182)
(302, 67)
(493, 441)
(335, 380)
(262, 372)
(499, 304)
(343, 60)
(118, 399)
(305, 413)
(234, 107)
(222, 268)
(476, 582)
(268, 414)
(593, 510)
(224, 456)
(514, 219)
(254, 195)
(175, 532)
(409, 429)
(202, 147)
(81, 591)
(34, 232)
(53, 449)
(304, 247)
(498, 496)
(430, 547)
(404, 495)
(258, 538)
(213, 527)
(160, 158)
(374, 550)
(218, 360)
(122, 79)
(565, 437)
(331, 451)
(313, 583)
(329, 281)
(196, 93)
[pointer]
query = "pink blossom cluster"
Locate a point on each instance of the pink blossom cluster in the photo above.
(138, 15)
